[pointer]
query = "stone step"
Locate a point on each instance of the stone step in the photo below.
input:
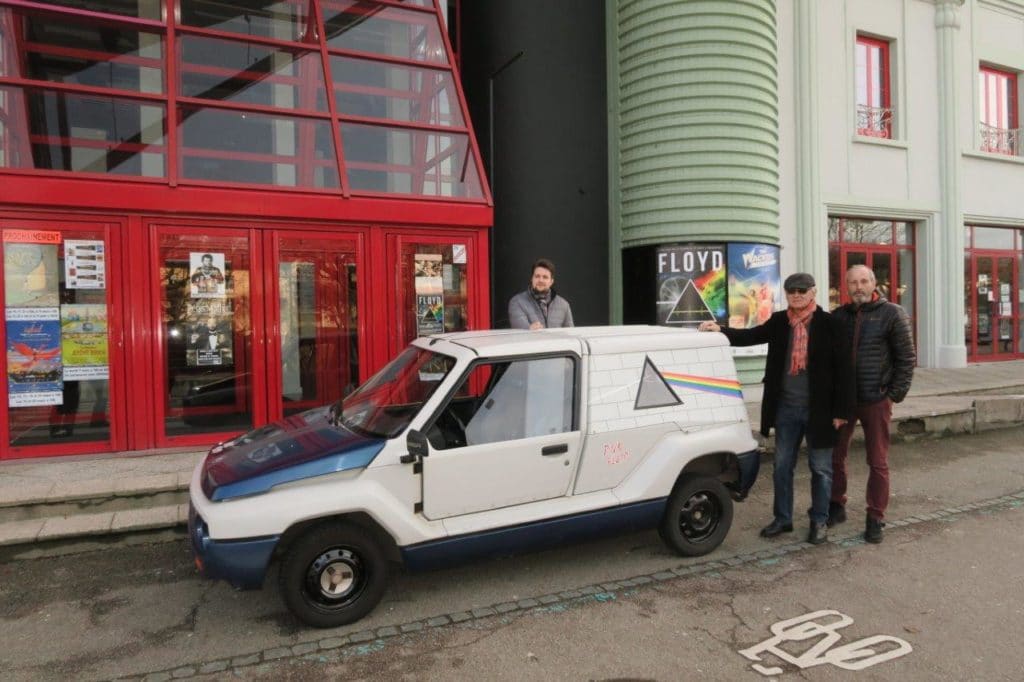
(93, 497)
(54, 529)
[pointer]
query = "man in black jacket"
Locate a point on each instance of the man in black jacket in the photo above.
(808, 393)
(882, 344)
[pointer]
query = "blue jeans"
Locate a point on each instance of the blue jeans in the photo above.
(790, 426)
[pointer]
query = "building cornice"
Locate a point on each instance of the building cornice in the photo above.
(1012, 7)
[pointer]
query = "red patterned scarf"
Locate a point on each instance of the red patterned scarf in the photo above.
(799, 322)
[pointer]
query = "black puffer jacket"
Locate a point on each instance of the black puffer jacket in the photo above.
(883, 349)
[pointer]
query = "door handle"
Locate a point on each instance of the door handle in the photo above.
(559, 449)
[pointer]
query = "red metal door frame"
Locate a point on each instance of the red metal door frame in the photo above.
(112, 229)
(365, 301)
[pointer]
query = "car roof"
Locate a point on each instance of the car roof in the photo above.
(592, 340)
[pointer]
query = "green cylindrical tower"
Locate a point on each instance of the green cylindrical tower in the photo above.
(693, 129)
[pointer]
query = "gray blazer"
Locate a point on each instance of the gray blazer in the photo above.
(523, 310)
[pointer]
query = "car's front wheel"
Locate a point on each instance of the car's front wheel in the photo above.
(333, 575)
(697, 517)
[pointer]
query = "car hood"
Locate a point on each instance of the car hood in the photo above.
(302, 446)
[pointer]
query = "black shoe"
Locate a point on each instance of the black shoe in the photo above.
(818, 533)
(836, 514)
(873, 530)
(776, 527)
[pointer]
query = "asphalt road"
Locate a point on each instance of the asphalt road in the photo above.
(946, 589)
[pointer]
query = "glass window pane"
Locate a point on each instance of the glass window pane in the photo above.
(904, 233)
(833, 229)
(284, 20)
(906, 292)
(82, 133)
(319, 321)
(140, 9)
(365, 26)
(993, 238)
(66, 51)
(248, 73)
(204, 284)
(57, 338)
(968, 305)
(233, 146)
(406, 161)
(402, 93)
(420, 284)
(836, 279)
(867, 231)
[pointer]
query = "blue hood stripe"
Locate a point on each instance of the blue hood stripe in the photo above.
(343, 461)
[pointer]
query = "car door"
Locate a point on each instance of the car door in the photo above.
(509, 435)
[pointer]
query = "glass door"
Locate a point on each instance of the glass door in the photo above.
(207, 372)
(62, 338)
(317, 340)
(995, 306)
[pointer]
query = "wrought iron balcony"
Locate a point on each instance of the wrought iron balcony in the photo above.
(1001, 140)
(874, 121)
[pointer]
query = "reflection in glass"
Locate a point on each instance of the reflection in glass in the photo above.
(82, 133)
(59, 51)
(285, 20)
(906, 294)
(318, 322)
(993, 238)
(249, 73)
(867, 231)
(398, 92)
(406, 161)
(140, 9)
(369, 27)
(233, 146)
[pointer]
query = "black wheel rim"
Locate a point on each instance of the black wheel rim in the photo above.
(700, 516)
(335, 579)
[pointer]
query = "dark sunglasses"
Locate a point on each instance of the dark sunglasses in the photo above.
(797, 290)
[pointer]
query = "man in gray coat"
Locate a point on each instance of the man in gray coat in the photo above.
(539, 307)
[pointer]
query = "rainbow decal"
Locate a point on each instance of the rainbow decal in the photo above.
(727, 387)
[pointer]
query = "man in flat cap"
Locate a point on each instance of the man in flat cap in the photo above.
(808, 393)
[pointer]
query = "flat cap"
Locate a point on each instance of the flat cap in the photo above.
(799, 280)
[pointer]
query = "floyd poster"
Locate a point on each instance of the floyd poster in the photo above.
(84, 341)
(30, 268)
(755, 288)
(34, 362)
(691, 284)
(429, 314)
(85, 264)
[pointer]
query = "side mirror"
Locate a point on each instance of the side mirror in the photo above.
(416, 444)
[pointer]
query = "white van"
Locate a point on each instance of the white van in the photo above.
(480, 443)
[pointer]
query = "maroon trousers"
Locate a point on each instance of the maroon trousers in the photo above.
(874, 417)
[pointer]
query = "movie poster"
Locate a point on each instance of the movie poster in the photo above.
(755, 290)
(30, 268)
(84, 341)
(429, 314)
(691, 284)
(207, 275)
(34, 364)
(210, 334)
(85, 264)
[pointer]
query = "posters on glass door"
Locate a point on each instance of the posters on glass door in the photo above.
(84, 341)
(30, 268)
(429, 280)
(34, 363)
(207, 278)
(85, 264)
(209, 333)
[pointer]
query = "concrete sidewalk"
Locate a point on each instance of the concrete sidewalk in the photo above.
(84, 499)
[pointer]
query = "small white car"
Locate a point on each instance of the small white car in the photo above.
(480, 443)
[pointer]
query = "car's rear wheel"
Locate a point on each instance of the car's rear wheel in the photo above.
(697, 517)
(333, 575)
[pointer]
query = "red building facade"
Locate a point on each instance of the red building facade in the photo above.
(217, 214)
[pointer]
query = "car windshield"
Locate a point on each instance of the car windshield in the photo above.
(384, 405)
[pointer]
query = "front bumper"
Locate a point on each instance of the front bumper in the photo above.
(242, 563)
